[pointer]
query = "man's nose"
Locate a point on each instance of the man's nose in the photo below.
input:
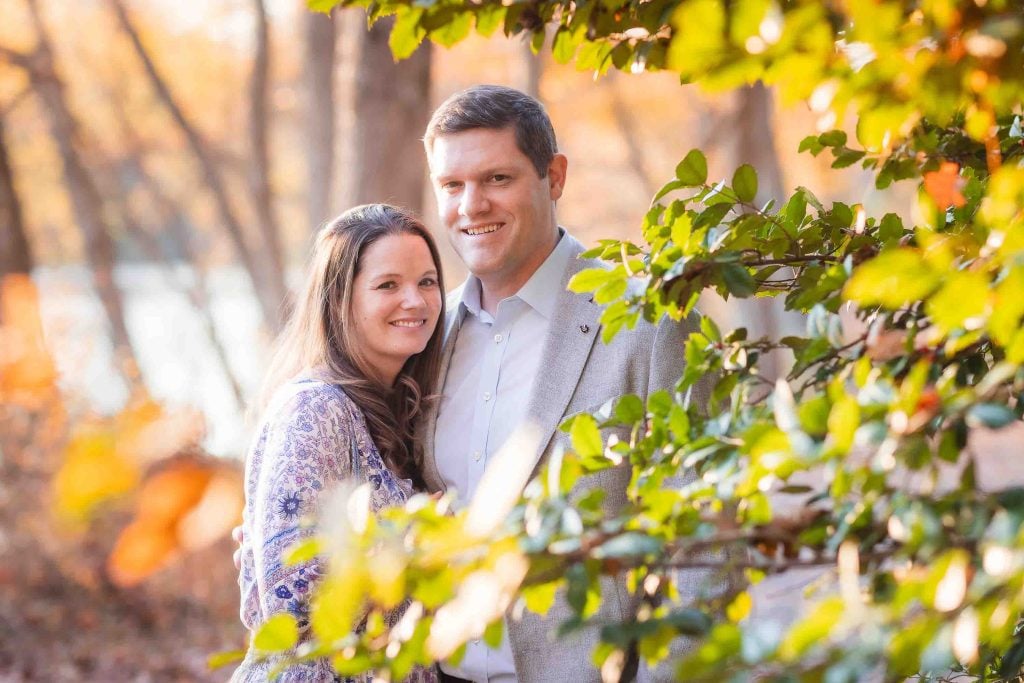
(473, 201)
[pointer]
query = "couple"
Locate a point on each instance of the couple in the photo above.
(372, 340)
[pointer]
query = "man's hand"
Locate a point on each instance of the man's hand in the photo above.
(239, 535)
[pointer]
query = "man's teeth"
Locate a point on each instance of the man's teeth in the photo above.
(483, 229)
(408, 323)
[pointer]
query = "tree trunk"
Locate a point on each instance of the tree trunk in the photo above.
(318, 82)
(533, 68)
(268, 283)
(628, 130)
(15, 252)
(391, 108)
(259, 168)
(85, 197)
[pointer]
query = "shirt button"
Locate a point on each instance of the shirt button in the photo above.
(476, 456)
(498, 338)
(487, 396)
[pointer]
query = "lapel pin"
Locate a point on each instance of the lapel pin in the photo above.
(584, 328)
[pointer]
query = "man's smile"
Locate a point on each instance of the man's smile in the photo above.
(482, 229)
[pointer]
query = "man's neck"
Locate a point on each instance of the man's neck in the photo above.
(494, 290)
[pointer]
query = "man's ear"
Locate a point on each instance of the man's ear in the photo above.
(556, 175)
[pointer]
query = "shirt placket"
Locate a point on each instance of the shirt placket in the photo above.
(486, 399)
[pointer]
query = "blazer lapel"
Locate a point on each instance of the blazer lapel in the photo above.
(572, 331)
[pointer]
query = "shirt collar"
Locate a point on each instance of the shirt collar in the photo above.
(539, 291)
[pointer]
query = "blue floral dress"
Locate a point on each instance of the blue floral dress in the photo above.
(307, 443)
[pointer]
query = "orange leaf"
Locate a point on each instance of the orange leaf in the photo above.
(166, 496)
(28, 374)
(141, 549)
(944, 185)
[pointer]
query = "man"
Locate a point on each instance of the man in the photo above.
(521, 351)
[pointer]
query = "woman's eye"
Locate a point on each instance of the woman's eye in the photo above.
(428, 282)
(386, 285)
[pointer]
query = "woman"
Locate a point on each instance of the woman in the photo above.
(341, 400)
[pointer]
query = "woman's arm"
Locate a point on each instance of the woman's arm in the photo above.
(306, 452)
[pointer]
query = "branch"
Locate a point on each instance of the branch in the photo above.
(22, 59)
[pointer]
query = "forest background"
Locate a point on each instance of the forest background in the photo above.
(162, 169)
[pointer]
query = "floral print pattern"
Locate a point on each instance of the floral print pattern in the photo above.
(309, 439)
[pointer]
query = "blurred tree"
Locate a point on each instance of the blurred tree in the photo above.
(260, 166)
(15, 252)
(320, 32)
(81, 186)
(267, 279)
(391, 109)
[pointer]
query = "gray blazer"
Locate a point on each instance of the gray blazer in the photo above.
(578, 374)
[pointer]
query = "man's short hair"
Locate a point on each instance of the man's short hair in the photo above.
(497, 107)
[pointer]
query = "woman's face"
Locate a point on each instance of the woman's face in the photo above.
(396, 300)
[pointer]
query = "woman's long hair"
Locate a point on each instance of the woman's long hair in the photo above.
(319, 337)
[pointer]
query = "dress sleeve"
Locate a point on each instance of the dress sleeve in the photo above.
(307, 450)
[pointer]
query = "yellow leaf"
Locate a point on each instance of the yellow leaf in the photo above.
(92, 473)
(739, 608)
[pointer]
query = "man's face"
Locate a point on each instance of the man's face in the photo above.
(498, 213)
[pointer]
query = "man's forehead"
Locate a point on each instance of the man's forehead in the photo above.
(477, 146)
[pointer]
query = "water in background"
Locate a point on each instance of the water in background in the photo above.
(177, 360)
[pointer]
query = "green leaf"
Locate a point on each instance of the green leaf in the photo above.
(453, 30)
(890, 228)
(324, 6)
(586, 437)
(739, 608)
(493, 633)
(540, 598)
(991, 415)
(796, 209)
(629, 409)
(812, 144)
(738, 280)
(670, 186)
(963, 295)
(590, 279)
(813, 629)
(744, 183)
(563, 47)
(833, 138)
(610, 291)
(843, 420)
(629, 544)
(406, 34)
(219, 659)
(279, 633)
(710, 329)
(303, 551)
(693, 169)
(489, 17)
(893, 279)
(690, 622)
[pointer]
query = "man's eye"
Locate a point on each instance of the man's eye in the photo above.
(451, 186)
(499, 177)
